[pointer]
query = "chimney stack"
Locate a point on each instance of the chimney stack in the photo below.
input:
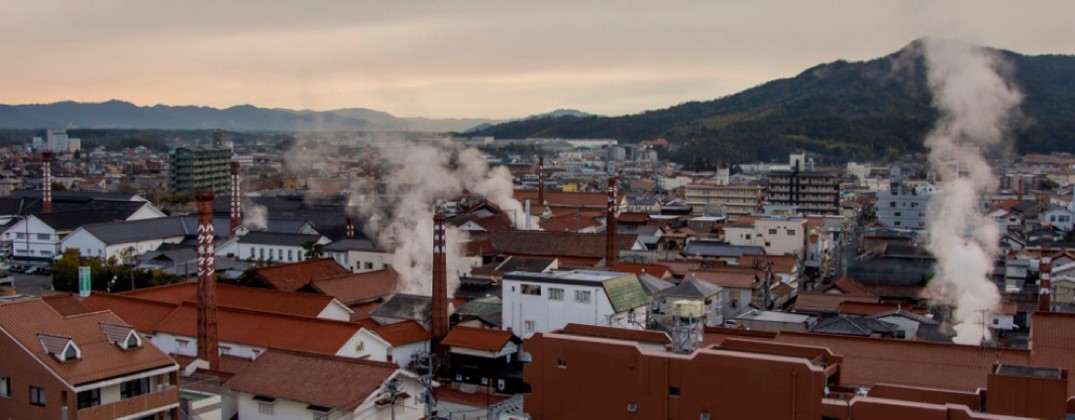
(541, 181)
(611, 252)
(1045, 285)
(236, 208)
(350, 226)
(208, 344)
(440, 282)
(46, 182)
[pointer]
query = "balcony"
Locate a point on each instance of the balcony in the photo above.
(134, 405)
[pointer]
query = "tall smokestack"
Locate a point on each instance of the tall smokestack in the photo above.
(611, 252)
(208, 344)
(1045, 286)
(46, 182)
(541, 181)
(440, 282)
(350, 226)
(236, 209)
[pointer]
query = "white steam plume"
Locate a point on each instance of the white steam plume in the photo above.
(976, 107)
(414, 176)
(255, 216)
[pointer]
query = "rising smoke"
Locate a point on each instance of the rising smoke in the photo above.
(255, 216)
(977, 105)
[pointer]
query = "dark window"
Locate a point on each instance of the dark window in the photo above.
(89, 398)
(561, 363)
(531, 289)
(673, 391)
(133, 388)
(37, 396)
(71, 353)
(892, 204)
(5, 387)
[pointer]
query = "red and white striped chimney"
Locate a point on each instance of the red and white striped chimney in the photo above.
(541, 181)
(611, 252)
(236, 208)
(350, 226)
(439, 327)
(1045, 284)
(208, 341)
(46, 182)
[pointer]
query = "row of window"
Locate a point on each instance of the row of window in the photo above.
(40, 236)
(556, 293)
(277, 254)
(37, 394)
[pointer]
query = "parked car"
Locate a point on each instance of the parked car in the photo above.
(17, 269)
(46, 271)
(32, 270)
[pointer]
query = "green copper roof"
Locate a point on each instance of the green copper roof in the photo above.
(625, 293)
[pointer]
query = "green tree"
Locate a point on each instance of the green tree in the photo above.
(313, 249)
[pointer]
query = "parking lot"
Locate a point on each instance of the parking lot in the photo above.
(30, 284)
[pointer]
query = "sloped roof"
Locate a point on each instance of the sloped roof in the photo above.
(279, 239)
(477, 338)
(853, 325)
(656, 270)
(312, 378)
(645, 336)
(728, 279)
(239, 297)
(64, 303)
(516, 263)
(487, 309)
(529, 242)
(402, 333)
(708, 248)
(625, 293)
(826, 302)
(26, 320)
(847, 287)
(138, 230)
(294, 276)
(356, 243)
(143, 314)
(780, 263)
(693, 288)
(73, 219)
(404, 306)
(355, 288)
(652, 285)
(566, 199)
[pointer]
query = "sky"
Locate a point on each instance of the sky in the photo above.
(462, 58)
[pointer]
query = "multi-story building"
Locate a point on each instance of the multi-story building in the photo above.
(812, 192)
(80, 365)
(57, 141)
(539, 302)
(196, 168)
(904, 206)
(736, 200)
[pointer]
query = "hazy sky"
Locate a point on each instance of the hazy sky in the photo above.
(458, 58)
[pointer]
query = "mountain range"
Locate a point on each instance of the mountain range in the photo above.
(116, 114)
(873, 109)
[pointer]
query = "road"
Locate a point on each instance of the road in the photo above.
(31, 285)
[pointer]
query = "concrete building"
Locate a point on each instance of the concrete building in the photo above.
(80, 365)
(776, 235)
(538, 302)
(197, 168)
(276, 247)
(57, 141)
(904, 207)
(735, 200)
(812, 192)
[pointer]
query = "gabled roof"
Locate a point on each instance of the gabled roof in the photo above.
(541, 243)
(780, 263)
(477, 338)
(27, 320)
(655, 270)
(355, 288)
(728, 279)
(693, 288)
(566, 199)
(295, 276)
(846, 286)
(487, 309)
(73, 219)
(312, 378)
(239, 297)
(404, 306)
(402, 333)
(719, 249)
(279, 239)
(356, 243)
(120, 232)
(853, 325)
(652, 285)
(905, 314)
(826, 302)
(516, 263)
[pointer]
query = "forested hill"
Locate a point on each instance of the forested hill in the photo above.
(862, 110)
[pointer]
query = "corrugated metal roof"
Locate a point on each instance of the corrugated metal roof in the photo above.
(625, 293)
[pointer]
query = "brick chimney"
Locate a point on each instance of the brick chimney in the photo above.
(350, 226)
(1045, 283)
(236, 208)
(439, 327)
(46, 182)
(611, 252)
(208, 344)
(541, 181)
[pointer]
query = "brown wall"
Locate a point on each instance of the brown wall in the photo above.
(603, 376)
(1027, 397)
(25, 370)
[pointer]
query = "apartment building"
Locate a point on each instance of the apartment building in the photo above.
(196, 168)
(812, 192)
(735, 200)
(903, 206)
(80, 365)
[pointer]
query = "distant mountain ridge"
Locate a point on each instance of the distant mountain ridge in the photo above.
(116, 114)
(863, 110)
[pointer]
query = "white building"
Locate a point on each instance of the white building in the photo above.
(57, 141)
(1058, 216)
(275, 247)
(39, 236)
(540, 302)
(777, 235)
(394, 343)
(359, 255)
(903, 206)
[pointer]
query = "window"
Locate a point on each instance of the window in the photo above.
(261, 253)
(289, 254)
(530, 289)
(43, 236)
(251, 253)
(892, 204)
(898, 214)
(225, 350)
(89, 398)
(5, 387)
(582, 296)
(132, 341)
(37, 396)
(561, 363)
(182, 344)
(735, 303)
(896, 223)
(632, 407)
(772, 231)
(528, 325)
(133, 388)
(790, 232)
(369, 266)
(704, 416)
(996, 321)
(264, 407)
(556, 294)
(673, 391)
(20, 235)
(71, 353)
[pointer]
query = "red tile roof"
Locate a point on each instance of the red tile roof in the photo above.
(826, 302)
(781, 263)
(656, 270)
(402, 333)
(239, 297)
(312, 378)
(477, 338)
(565, 199)
(64, 303)
(295, 276)
(538, 243)
(869, 308)
(143, 314)
(737, 279)
(24, 320)
(357, 288)
(633, 217)
(847, 287)
(568, 222)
